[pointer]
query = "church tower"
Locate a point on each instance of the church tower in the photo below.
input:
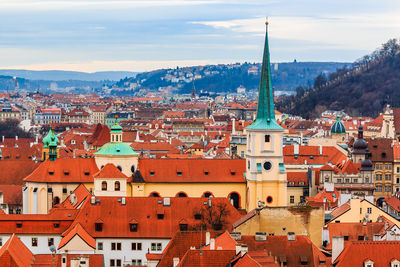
(265, 172)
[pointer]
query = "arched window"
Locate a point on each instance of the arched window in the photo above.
(117, 186)
(133, 168)
(104, 186)
(234, 198)
(207, 194)
(56, 200)
(119, 168)
(181, 194)
(154, 194)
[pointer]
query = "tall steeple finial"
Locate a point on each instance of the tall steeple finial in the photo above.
(265, 118)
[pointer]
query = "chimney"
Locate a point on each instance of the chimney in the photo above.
(260, 236)
(237, 236)
(92, 200)
(337, 246)
(296, 149)
(123, 201)
(2, 139)
(320, 150)
(176, 262)
(16, 138)
(207, 238)
(36, 139)
(244, 250)
(291, 236)
(212, 244)
(238, 248)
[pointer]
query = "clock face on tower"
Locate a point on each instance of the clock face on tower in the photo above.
(267, 165)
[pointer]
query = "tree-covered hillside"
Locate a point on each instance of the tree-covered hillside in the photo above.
(363, 90)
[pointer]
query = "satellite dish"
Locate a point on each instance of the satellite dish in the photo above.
(52, 249)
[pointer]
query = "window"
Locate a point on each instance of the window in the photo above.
(98, 227)
(378, 177)
(34, 242)
(115, 263)
(388, 189)
(347, 180)
(100, 246)
(388, 166)
(326, 179)
(197, 216)
(183, 227)
(388, 177)
(136, 262)
(160, 216)
(269, 199)
(360, 238)
(117, 186)
(56, 225)
(379, 188)
(119, 168)
(50, 241)
(19, 225)
(104, 186)
(115, 246)
(64, 190)
(133, 227)
(136, 246)
(267, 138)
(1, 241)
(369, 210)
(259, 170)
(339, 180)
(156, 246)
(367, 180)
(398, 169)
(355, 180)
(291, 199)
(346, 238)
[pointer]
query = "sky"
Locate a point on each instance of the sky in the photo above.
(130, 35)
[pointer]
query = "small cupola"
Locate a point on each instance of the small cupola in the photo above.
(116, 131)
(338, 127)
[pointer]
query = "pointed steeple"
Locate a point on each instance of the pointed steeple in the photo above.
(265, 109)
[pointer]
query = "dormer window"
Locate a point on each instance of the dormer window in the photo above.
(267, 138)
(152, 173)
(395, 263)
(56, 225)
(368, 263)
(87, 173)
(179, 173)
(19, 225)
(183, 227)
(98, 226)
(133, 227)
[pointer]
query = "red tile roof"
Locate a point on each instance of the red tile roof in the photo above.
(17, 170)
(297, 178)
(180, 243)
(206, 258)
(246, 261)
(393, 202)
(77, 230)
(193, 170)
(340, 210)
(73, 170)
(12, 194)
(100, 136)
(81, 193)
(143, 210)
(109, 171)
(14, 253)
(312, 155)
(380, 252)
(293, 251)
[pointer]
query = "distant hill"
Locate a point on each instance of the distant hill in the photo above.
(60, 75)
(227, 78)
(362, 90)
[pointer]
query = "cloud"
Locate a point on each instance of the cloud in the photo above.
(121, 65)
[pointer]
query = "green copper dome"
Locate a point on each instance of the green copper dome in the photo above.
(338, 127)
(116, 149)
(50, 137)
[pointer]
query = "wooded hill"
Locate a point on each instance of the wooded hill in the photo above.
(373, 82)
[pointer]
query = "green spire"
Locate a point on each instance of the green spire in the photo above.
(49, 137)
(265, 119)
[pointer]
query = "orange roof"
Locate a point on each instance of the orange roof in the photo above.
(15, 253)
(312, 155)
(217, 258)
(246, 261)
(72, 170)
(109, 171)
(81, 194)
(17, 170)
(12, 194)
(393, 202)
(340, 210)
(380, 252)
(193, 170)
(297, 178)
(78, 230)
(224, 241)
